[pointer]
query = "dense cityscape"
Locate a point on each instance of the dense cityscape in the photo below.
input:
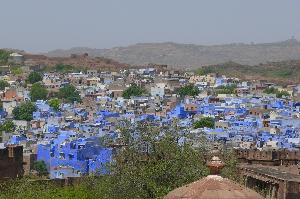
(61, 123)
(160, 99)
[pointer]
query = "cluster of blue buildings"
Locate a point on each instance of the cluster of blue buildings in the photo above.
(71, 156)
(72, 142)
(263, 123)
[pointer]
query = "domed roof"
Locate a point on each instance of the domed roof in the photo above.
(213, 187)
(215, 165)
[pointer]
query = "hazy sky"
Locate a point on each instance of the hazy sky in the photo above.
(42, 25)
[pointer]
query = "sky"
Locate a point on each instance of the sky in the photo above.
(44, 25)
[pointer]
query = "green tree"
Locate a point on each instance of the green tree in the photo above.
(38, 92)
(24, 111)
(54, 103)
(204, 71)
(62, 68)
(282, 93)
(229, 89)
(279, 94)
(40, 167)
(230, 170)
(4, 55)
(200, 71)
(271, 90)
(150, 167)
(16, 70)
(3, 84)
(133, 90)
(188, 90)
(26, 188)
(204, 122)
(69, 94)
(7, 126)
(34, 77)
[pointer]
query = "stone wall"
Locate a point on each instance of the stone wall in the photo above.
(11, 162)
(271, 157)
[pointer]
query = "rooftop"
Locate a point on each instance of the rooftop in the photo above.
(213, 186)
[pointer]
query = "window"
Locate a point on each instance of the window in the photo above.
(62, 156)
(10, 152)
(71, 156)
(73, 146)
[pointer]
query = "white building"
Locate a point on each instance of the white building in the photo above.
(158, 90)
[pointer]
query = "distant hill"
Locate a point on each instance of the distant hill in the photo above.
(81, 61)
(284, 72)
(193, 56)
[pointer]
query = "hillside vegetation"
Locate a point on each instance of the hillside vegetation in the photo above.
(285, 72)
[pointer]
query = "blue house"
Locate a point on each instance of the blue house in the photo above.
(69, 156)
(178, 112)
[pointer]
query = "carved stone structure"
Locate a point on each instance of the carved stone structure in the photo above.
(276, 184)
(270, 157)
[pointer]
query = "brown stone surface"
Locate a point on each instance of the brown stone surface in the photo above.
(268, 157)
(279, 181)
(272, 172)
(213, 187)
(11, 162)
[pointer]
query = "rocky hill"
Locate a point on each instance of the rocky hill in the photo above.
(193, 56)
(82, 61)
